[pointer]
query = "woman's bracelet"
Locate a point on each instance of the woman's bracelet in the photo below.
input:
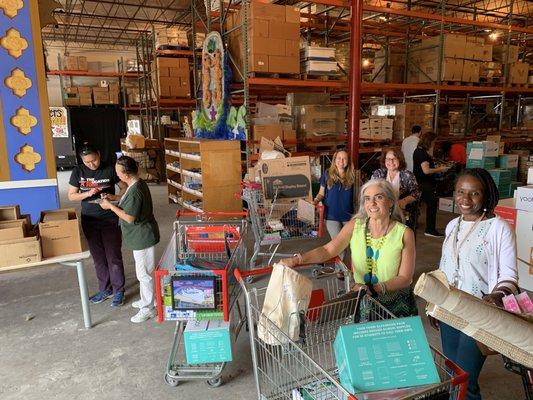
(299, 257)
(383, 287)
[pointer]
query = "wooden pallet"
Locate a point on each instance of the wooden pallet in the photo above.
(273, 75)
(524, 85)
(172, 47)
(319, 77)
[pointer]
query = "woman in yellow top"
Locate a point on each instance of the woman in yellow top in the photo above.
(382, 248)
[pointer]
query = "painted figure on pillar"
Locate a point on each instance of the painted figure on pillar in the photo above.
(216, 119)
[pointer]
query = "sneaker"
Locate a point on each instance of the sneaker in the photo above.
(101, 296)
(136, 304)
(118, 299)
(143, 315)
(435, 234)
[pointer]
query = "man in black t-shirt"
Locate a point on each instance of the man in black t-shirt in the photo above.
(87, 182)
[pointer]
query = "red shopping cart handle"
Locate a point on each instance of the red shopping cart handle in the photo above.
(239, 214)
(267, 270)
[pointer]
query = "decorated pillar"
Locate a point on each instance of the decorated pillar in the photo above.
(27, 164)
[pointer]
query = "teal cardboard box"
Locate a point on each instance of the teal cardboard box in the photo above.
(384, 355)
(207, 342)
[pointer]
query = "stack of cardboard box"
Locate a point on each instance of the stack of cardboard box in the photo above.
(482, 154)
(389, 65)
(406, 116)
(518, 71)
(85, 94)
(273, 38)
(173, 77)
(75, 63)
(317, 60)
(273, 122)
(502, 179)
(133, 96)
(457, 122)
(114, 93)
(491, 71)
(376, 127)
(462, 58)
(509, 162)
(319, 120)
(171, 37)
(18, 243)
(78, 96)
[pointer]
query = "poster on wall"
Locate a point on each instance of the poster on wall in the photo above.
(59, 119)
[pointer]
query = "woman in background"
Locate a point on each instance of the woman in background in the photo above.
(393, 170)
(424, 170)
(337, 194)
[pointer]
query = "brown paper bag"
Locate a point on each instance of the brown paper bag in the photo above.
(286, 298)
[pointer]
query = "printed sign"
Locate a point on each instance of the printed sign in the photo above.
(59, 120)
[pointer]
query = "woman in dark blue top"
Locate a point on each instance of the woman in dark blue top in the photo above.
(337, 193)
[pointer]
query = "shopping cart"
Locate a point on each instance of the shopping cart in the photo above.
(274, 221)
(306, 369)
(202, 246)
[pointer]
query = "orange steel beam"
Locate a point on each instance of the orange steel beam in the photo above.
(255, 81)
(354, 94)
(445, 18)
(380, 88)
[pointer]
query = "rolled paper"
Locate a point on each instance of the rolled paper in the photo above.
(498, 329)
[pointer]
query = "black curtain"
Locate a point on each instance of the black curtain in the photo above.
(102, 127)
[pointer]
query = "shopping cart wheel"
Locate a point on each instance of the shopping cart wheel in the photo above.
(249, 279)
(171, 381)
(214, 382)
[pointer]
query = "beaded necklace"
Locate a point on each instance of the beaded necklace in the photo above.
(372, 255)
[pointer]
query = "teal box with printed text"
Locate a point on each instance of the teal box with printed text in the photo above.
(383, 355)
(207, 342)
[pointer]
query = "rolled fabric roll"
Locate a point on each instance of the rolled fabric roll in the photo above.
(498, 329)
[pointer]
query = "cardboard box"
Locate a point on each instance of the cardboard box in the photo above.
(11, 231)
(305, 98)
(82, 63)
(499, 53)
(292, 14)
(452, 70)
(85, 100)
(20, 251)
(100, 96)
(524, 198)
(454, 45)
(72, 101)
(320, 120)
(506, 210)
(9, 213)
(530, 176)
(524, 235)
(446, 204)
(70, 63)
(286, 179)
(525, 275)
(471, 71)
(283, 64)
(518, 73)
(60, 237)
(207, 342)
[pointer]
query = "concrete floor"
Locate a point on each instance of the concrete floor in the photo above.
(45, 353)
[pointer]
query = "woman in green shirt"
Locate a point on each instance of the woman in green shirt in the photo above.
(382, 248)
(140, 231)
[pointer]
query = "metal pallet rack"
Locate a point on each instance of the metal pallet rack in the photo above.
(152, 105)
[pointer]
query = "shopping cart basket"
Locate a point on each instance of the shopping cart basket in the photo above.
(274, 221)
(306, 369)
(201, 248)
